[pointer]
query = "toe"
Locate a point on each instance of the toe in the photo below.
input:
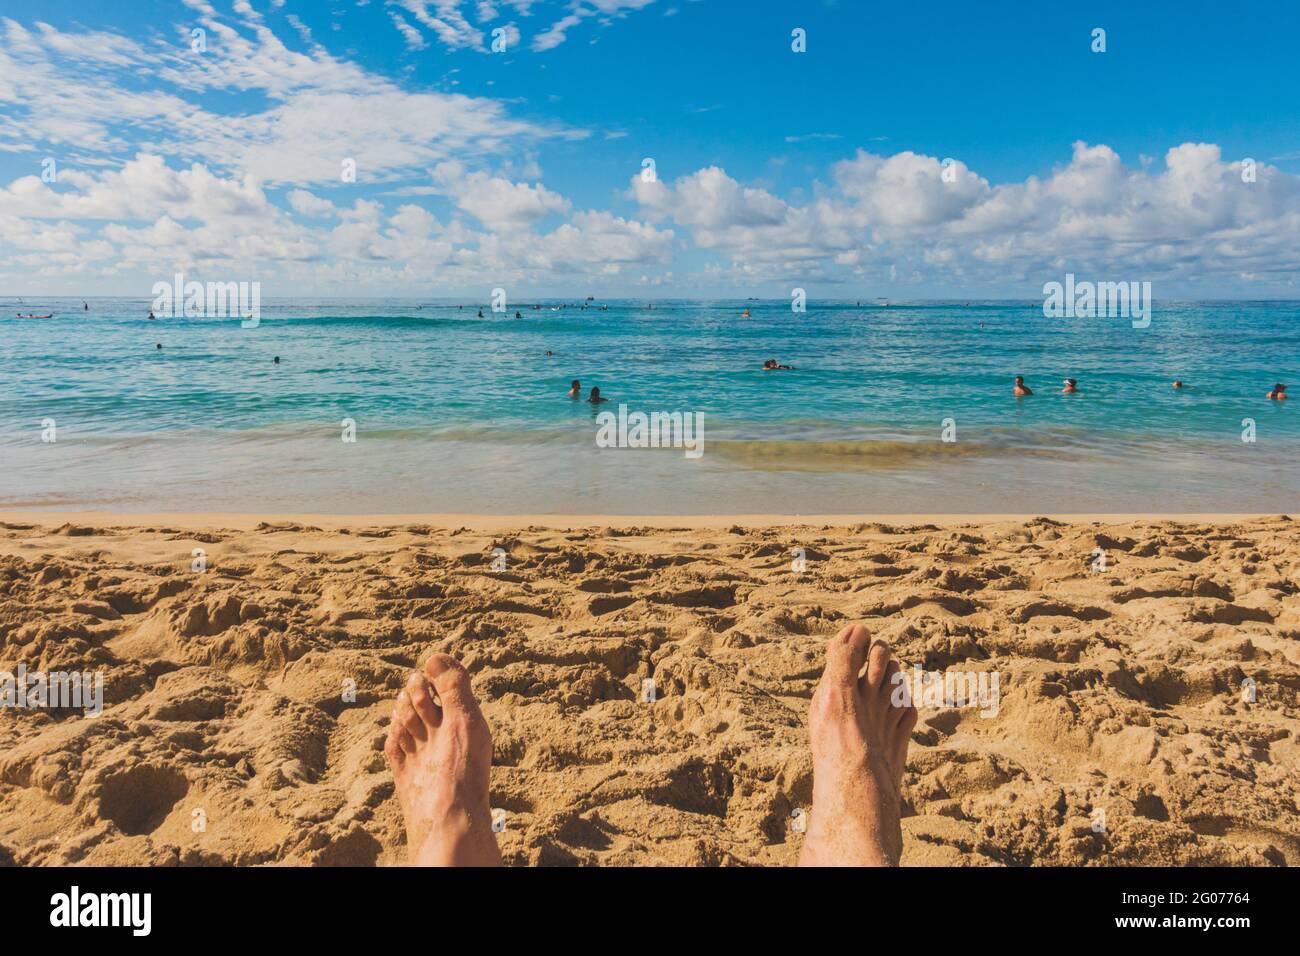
(406, 716)
(892, 693)
(877, 662)
(451, 683)
(417, 688)
(393, 746)
(907, 720)
(406, 741)
(845, 654)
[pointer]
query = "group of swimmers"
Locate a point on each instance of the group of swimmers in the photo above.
(575, 392)
(1277, 394)
(538, 308)
(85, 307)
(1020, 389)
(575, 387)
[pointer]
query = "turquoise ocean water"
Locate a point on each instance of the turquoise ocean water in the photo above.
(459, 414)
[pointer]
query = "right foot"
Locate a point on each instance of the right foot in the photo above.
(441, 756)
(859, 749)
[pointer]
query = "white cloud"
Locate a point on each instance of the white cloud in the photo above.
(497, 202)
(69, 92)
(414, 41)
(446, 20)
(309, 204)
(580, 10)
(1193, 219)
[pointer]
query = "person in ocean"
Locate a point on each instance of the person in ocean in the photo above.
(594, 398)
(745, 314)
(158, 345)
(575, 389)
(1070, 388)
(151, 315)
(1279, 393)
(771, 365)
(480, 313)
(277, 360)
(1178, 383)
(1021, 388)
(518, 314)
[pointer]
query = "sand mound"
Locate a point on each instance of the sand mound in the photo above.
(245, 705)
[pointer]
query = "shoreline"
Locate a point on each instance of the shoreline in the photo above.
(245, 521)
(329, 519)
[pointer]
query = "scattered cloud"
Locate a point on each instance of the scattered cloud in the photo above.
(1193, 218)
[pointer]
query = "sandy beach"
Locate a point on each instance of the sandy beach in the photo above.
(647, 683)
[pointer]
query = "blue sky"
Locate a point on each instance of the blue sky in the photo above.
(522, 169)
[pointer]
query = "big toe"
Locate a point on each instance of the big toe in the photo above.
(450, 681)
(845, 654)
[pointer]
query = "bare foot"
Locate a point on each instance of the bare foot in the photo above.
(859, 749)
(441, 757)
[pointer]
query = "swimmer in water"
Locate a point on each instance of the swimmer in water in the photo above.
(1278, 394)
(1069, 387)
(518, 314)
(1178, 383)
(277, 360)
(158, 345)
(575, 389)
(595, 398)
(745, 314)
(151, 315)
(771, 365)
(1021, 387)
(550, 354)
(480, 313)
